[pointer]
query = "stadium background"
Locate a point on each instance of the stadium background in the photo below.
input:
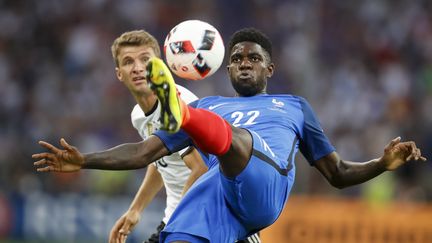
(365, 66)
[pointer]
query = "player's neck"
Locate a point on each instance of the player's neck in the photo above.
(146, 102)
(259, 93)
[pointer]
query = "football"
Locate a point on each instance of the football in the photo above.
(194, 50)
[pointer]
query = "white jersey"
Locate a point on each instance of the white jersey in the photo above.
(173, 170)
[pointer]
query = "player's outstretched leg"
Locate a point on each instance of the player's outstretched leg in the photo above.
(162, 83)
(209, 131)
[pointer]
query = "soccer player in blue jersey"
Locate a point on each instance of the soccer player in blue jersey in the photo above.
(252, 139)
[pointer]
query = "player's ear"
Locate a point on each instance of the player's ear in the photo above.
(119, 74)
(270, 70)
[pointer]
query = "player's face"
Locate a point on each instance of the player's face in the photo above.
(132, 68)
(249, 68)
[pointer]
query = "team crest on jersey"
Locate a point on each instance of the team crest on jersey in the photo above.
(278, 103)
(277, 106)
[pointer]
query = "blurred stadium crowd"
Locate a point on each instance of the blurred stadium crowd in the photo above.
(365, 66)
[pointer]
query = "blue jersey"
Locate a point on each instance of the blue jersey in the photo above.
(280, 126)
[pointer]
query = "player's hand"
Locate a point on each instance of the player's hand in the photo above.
(123, 227)
(68, 159)
(397, 153)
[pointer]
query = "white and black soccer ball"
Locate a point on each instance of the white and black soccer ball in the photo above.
(194, 50)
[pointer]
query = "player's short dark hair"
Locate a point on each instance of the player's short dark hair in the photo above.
(251, 35)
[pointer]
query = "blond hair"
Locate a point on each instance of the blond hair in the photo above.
(134, 38)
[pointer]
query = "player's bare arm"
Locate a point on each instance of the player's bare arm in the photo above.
(341, 173)
(126, 156)
(151, 185)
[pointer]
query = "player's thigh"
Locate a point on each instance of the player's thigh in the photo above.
(234, 161)
(259, 192)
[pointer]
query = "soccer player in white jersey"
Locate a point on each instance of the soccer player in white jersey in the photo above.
(170, 171)
(131, 51)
